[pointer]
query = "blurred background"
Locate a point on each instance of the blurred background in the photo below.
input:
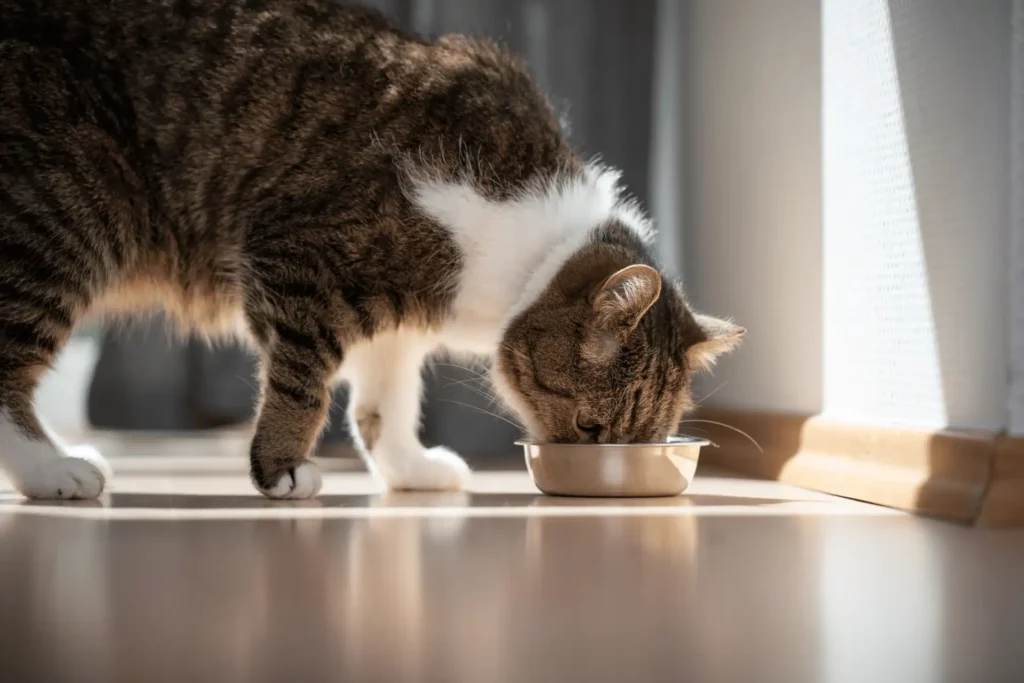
(843, 177)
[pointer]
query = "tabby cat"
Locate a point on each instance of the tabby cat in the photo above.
(350, 199)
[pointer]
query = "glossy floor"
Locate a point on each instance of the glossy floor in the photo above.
(183, 574)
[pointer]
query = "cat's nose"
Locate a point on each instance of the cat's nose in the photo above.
(591, 432)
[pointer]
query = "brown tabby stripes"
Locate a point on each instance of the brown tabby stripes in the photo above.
(238, 163)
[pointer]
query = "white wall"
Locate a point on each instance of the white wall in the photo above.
(753, 214)
(848, 199)
(916, 211)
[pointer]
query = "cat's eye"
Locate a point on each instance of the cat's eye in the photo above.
(588, 428)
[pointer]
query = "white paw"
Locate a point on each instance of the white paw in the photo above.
(81, 475)
(436, 469)
(92, 456)
(300, 483)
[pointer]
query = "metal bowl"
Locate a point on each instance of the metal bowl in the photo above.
(635, 470)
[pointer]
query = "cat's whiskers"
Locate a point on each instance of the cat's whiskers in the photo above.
(493, 401)
(477, 374)
(722, 424)
(478, 382)
(473, 383)
(710, 394)
(511, 350)
(481, 410)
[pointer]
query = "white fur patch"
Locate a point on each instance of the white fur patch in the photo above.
(385, 375)
(305, 484)
(512, 249)
(433, 469)
(48, 470)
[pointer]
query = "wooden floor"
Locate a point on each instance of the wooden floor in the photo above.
(183, 574)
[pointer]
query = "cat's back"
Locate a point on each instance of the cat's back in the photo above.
(231, 111)
(205, 75)
(133, 34)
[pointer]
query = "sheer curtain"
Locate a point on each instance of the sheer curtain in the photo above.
(599, 62)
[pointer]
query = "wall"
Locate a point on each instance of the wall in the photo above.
(753, 217)
(848, 200)
(916, 211)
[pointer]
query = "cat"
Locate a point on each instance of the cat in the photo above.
(350, 199)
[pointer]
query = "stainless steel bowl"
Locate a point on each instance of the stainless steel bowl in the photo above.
(614, 470)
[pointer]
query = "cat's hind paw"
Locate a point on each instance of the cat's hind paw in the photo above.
(437, 469)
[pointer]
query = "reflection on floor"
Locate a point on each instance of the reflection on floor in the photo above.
(183, 574)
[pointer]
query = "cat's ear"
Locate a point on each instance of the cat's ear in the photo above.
(623, 298)
(716, 337)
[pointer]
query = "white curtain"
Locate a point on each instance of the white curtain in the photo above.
(1016, 280)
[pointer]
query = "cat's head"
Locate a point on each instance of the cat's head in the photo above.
(607, 352)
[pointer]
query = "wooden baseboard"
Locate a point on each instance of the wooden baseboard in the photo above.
(1004, 501)
(973, 477)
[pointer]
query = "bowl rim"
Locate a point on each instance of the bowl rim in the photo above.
(674, 440)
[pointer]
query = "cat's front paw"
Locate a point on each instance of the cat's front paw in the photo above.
(296, 483)
(81, 475)
(434, 469)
